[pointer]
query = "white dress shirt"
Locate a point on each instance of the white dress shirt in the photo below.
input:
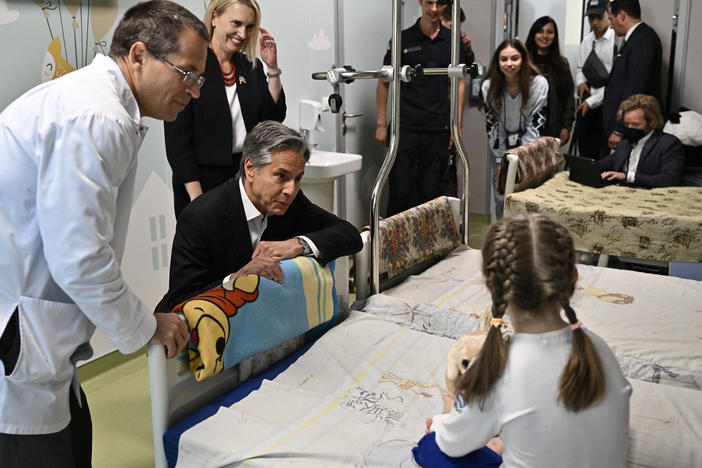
(256, 220)
(68, 159)
(257, 223)
(635, 157)
(604, 49)
(238, 127)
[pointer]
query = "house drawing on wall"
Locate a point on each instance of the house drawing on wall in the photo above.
(146, 260)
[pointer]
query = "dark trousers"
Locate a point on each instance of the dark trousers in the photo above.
(71, 447)
(211, 176)
(416, 175)
(590, 131)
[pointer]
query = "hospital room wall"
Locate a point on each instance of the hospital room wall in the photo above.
(691, 96)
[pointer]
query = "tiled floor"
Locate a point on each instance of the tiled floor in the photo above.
(117, 389)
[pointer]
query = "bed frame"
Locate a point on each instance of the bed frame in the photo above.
(175, 393)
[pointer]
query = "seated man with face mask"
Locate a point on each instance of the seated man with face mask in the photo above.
(646, 157)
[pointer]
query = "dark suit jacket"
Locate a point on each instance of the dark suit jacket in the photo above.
(202, 132)
(212, 239)
(660, 165)
(636, 70)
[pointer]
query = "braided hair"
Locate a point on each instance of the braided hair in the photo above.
(529, 261)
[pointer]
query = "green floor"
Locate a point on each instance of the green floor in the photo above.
(117, 388)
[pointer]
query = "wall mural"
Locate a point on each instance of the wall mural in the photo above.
(77, 31)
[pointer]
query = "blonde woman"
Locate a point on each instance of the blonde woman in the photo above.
(204, 143)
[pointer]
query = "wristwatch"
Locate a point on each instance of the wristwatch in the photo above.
(306, 249)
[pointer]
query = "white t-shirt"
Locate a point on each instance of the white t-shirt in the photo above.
(523, 409)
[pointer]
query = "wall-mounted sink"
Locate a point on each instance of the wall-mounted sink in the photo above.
(322, 170)
(329, 165)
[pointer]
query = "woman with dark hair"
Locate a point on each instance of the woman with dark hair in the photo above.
(542, 44)
(203, 144)
(514, 101)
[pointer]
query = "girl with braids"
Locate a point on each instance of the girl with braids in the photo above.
(514, 99)
(555, 394)
(542, 44)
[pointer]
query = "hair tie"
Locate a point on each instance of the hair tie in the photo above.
(496, 322)
(575, 326)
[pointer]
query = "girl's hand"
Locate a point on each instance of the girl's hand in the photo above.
(269, 51)
(428, 422)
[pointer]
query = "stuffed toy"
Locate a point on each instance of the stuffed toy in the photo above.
(459, 357)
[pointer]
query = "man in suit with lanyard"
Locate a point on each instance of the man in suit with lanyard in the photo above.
(637, 66)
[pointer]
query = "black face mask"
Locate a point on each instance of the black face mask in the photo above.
(633, 134)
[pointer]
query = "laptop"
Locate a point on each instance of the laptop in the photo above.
(585, 171)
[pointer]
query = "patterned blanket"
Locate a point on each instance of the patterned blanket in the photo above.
(253, 314)
(662, 224)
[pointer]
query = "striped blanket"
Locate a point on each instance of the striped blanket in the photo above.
(234, 321)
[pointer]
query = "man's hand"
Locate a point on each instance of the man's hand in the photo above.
(613, 140)
(268, 267)
(279, 250)
(381, 135)
(460, 133)
(612, 175)
(583, 108)
(565, 136)
(172, 332)
(583, 89)
(466, 41)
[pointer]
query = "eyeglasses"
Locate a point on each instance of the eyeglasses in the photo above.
(189, 78)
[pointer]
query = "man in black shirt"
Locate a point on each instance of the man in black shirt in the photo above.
(424, 111)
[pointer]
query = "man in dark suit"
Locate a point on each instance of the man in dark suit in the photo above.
(255, 220)
(646, 157)
(637, 66)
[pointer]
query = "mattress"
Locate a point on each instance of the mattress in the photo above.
(360, 395)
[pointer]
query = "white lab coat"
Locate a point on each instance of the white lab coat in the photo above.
(68, 154)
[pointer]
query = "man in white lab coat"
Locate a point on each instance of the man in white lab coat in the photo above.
(68, 156)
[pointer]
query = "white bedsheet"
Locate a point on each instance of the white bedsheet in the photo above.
(358, 397)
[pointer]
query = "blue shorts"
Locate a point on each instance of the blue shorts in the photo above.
(428, 455)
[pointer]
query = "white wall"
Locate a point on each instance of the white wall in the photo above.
(692, 91)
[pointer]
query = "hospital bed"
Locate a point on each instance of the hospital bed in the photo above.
(359, 394)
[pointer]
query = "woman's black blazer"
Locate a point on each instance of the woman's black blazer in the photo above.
(202, 132)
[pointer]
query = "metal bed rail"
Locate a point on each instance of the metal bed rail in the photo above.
(394, 74)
